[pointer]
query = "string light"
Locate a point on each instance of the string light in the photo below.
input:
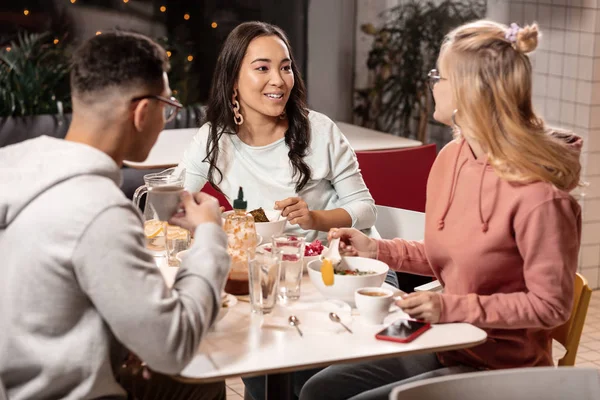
(214, 25)
(73, 1)
(190, 58)
(8, 48)
(56, 41)
(168, 54)
(163, 8)
(125, 1)
(186, 16)
(26, 11)
(98, 33)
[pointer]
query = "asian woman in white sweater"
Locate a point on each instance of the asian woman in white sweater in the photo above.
(260, 135)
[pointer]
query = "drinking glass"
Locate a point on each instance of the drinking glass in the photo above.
(289, 250)
(178, 239)
(263, 272)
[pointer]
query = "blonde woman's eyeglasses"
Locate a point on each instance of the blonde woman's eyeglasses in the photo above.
(434, 78)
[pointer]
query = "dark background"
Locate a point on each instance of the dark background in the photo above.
(71, 23)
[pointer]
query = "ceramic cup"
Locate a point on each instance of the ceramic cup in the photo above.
(373, 303)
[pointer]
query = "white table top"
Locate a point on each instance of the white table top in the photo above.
(247, 344)
(363, 139)
(171, 143)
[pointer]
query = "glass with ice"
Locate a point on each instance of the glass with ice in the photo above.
(289, 250)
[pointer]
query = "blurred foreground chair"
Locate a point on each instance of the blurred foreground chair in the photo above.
(540, 383)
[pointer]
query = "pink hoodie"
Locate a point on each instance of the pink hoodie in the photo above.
(505, 253)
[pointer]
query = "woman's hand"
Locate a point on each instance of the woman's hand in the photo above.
(425, 306)
(296, 211)
(354, 243)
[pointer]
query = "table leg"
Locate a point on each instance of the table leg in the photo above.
(279, 387)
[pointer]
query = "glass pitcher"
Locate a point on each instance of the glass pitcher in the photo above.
(163, 191)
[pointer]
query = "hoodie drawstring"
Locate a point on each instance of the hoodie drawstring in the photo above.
(452, 186)
(484, 222)
(455, 173)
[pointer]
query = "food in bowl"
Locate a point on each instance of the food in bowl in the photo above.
(310, 250)
(352, 272)
(313, 249)
(344, 286)
(259, 215)
(275, 226)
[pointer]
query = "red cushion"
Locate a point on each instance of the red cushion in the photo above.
(398, 178)
(209, 189)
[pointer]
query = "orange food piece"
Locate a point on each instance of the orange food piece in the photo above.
(152, 228)
(327, 272)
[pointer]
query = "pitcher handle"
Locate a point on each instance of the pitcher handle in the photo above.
(139, 192)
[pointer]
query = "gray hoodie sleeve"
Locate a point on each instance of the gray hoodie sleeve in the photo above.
(162, 326)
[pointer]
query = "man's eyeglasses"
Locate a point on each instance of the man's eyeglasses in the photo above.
(434, 78)
(172, 106)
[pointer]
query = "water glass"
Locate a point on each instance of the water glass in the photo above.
(263, 272)
(178, 239)
(289, 250)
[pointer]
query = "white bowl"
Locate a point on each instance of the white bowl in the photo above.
(267, 229)
(344, 286)
(263, 247)
(310, 259)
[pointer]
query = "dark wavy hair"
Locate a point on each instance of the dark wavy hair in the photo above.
(219, 111)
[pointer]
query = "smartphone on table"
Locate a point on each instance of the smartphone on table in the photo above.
(403, 331)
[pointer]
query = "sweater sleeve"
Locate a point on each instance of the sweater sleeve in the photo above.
(162, 326)
(404, 256)
(548, 240)
(345, 176)
(196, 170)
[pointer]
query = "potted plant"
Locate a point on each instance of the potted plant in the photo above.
(34, 88)
(405, 48)
(35, 96)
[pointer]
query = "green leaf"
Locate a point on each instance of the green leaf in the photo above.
(34, 75)
(404, 49)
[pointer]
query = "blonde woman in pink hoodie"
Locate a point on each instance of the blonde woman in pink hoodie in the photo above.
(502, 233)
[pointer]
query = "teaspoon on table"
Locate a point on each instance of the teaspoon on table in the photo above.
(335, 318)
(294, 321)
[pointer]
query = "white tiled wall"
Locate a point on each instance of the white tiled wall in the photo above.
(567, 92)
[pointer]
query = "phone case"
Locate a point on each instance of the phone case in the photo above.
(407, 339)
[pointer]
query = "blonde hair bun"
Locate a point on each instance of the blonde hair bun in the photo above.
(527, 38)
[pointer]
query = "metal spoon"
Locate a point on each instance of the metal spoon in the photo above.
(294, 321)
(335, 318)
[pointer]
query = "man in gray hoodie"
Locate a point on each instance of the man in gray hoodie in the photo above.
(78, 290)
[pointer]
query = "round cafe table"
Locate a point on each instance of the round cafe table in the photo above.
(244, 344)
